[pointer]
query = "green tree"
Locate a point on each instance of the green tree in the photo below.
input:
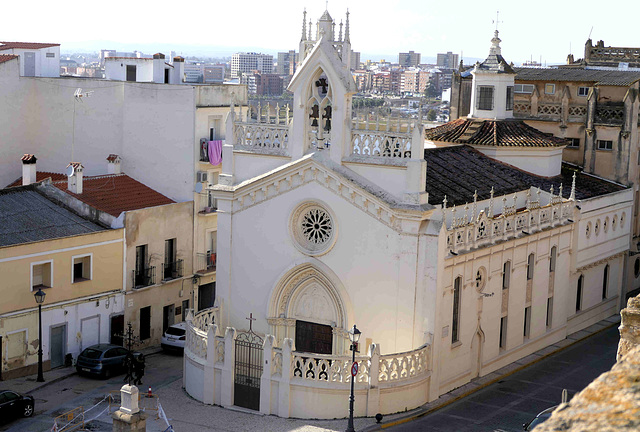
(431, 115)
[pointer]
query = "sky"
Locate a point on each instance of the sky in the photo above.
(543, 30)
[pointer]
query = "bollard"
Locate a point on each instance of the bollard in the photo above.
(149, 393)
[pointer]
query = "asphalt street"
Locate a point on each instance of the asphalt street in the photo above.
(507, 404)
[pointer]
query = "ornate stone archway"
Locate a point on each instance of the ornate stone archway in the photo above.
(306, 293)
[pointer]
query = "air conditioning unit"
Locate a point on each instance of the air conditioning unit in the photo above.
(202, 176)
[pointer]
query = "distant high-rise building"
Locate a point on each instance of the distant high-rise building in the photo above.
(355, 60)
(214, 74)
(409, 59)
(287, 62)
(448, 60)
(247, 62)
(193, 72)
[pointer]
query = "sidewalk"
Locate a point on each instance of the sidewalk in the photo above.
(479, 383)
(28, 384)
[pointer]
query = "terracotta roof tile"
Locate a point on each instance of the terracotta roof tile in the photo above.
(7, 57)
(115, 193)
(510, 133)
(26, 45)
(41, 175)
(459, 171)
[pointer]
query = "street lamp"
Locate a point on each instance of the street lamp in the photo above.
(354, 336)
(39, 299)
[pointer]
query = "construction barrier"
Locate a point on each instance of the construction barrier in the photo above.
(70, 421)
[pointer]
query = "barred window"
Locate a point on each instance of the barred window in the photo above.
(455, 337)
(509, 98)
(485, 97)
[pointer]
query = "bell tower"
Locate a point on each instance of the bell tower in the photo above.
(323, 88)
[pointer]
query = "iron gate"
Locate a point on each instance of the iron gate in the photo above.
(248, 370)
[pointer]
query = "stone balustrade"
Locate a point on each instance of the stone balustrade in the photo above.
(469, 231)
(385, 384)
(383, 137)
(269, 130)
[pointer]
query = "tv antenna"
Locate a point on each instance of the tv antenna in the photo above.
(78, 96)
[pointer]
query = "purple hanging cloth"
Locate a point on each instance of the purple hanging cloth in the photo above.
(215, 152)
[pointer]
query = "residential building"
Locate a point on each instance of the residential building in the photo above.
(247, 62)
(36, 59)
(214, 74)
(287, 62)
(263, 84)
(452, 261)
(409, 59)
(193, 72)
(77, 261)
(142, 69)
(600, 56)
(355, 60)
(447, 60)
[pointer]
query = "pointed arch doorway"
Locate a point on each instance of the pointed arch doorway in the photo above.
(308, 307)
(476, 353)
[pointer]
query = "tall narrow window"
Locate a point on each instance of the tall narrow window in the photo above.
(527, 322)
(169, 259)
(605, 282)
(579, 293)
(552, 260)
(506, 274)
(503, 332)
(509, 98)
(530, 263)
(455, 337)
(549, 312)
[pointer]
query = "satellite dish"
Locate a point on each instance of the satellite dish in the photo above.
(198, 187)
(70, 170)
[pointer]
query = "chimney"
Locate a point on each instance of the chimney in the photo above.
(74, 171)
(177, 75)
(28, 169)
(158, 68)
(113, 164)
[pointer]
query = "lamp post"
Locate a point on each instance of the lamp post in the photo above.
(39, 299)
(354, 336)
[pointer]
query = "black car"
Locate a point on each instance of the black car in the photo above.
(103, 360)
(14, 404)
(540, 418)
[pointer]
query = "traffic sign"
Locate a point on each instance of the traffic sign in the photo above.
(354, 369)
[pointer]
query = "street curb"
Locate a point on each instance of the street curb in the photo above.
(53, 381)
(423, 412)
(74, 372)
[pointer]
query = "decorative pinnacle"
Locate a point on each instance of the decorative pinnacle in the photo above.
(572, 197)
(304, 24)
(346, 29)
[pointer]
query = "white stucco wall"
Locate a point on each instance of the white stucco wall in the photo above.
(542, 161)
(374, 264)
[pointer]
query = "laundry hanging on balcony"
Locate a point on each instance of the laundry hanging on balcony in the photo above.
(215, 152)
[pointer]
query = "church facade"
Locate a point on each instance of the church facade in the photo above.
(450, 262)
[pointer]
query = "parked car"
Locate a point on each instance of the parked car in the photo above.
(13, 404)
(174, 337)
(540, 418)
(104, 360)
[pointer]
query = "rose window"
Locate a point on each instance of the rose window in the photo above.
(317, 226)
(313, 228)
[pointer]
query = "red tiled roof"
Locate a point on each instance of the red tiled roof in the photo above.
(7, 57)
(41, 175)
(25, 45)
(115, 193)
(509, 133)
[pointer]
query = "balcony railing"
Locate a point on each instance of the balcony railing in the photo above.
(206, 262)
(208, 204)
(172, 270)
(144, 277)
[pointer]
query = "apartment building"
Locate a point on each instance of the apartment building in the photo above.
(247, 62)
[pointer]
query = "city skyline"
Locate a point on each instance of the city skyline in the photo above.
(420, 27)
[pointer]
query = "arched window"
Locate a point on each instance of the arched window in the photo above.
(552, 259)
(320, 111)
(530, 264)
(455, 325)
(605, 282)
(579, 293)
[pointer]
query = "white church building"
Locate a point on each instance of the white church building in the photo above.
(452, 261)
